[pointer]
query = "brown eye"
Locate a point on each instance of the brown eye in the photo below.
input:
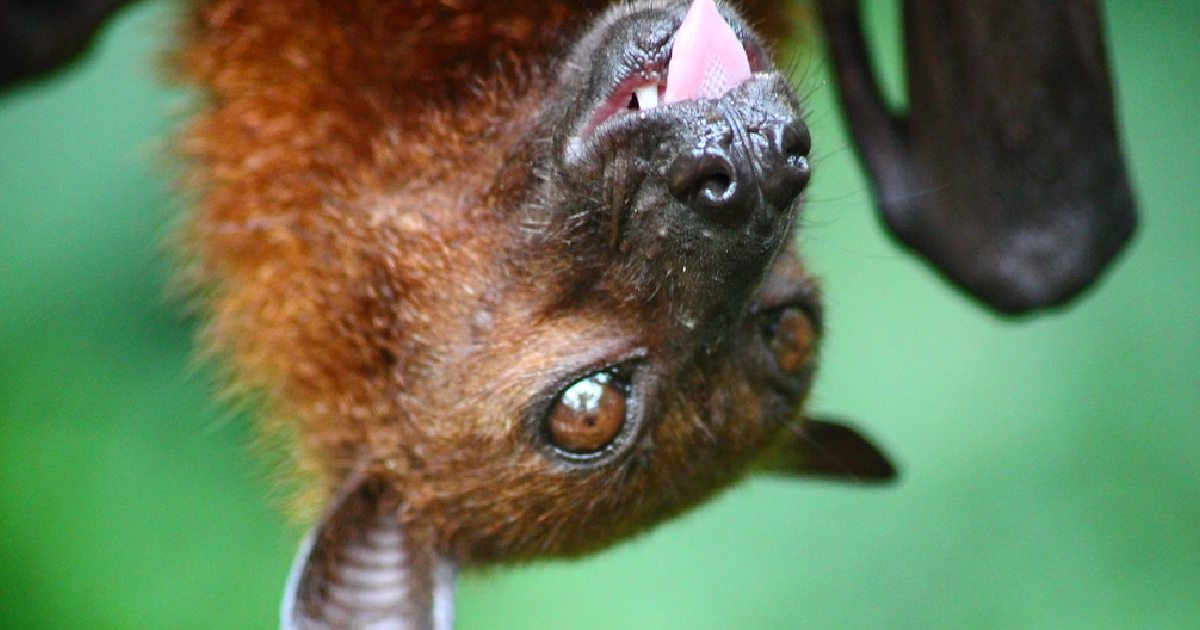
(790, 337)
(588, 415)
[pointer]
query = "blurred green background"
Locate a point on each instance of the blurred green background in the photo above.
(1051, 467)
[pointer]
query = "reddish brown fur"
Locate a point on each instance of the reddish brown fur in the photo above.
(345, 238)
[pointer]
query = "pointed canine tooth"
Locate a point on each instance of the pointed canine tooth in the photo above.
(647, 96)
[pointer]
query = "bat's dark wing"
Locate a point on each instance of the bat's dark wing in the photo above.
(40, 36)
(357, 568)
(1006, 172)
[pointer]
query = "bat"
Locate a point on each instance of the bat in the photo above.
(515, 295)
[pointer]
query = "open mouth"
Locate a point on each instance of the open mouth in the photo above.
(707, 60)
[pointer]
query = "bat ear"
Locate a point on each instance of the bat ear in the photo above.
(358, 568)
(1006, 172)
(830, 450)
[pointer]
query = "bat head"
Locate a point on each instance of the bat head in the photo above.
(625, 359)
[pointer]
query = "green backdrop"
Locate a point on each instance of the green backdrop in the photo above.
(1051, 467)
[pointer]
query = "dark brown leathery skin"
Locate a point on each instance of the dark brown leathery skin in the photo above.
(1006, 172)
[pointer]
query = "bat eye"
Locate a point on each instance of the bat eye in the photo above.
(589, 414)
(790, 336)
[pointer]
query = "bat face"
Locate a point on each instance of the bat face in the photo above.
(625, 360)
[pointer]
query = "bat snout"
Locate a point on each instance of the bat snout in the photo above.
(741, 173)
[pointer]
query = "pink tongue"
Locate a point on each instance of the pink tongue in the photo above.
(707, 60)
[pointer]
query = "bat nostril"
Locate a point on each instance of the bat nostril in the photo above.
(708, 183)
(716, 189)
(795, 142)
(786, 171)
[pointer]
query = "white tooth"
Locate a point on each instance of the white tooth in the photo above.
(647, 96)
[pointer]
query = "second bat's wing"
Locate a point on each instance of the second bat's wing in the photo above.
(1006, 172)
